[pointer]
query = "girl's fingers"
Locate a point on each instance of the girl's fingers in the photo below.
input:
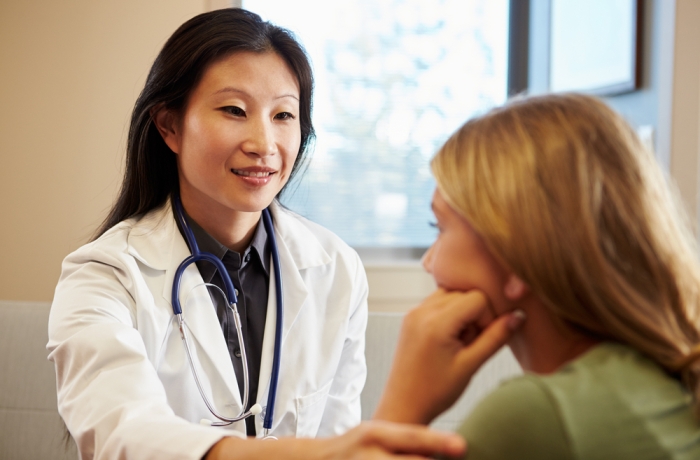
(467, 313)
(491, 339)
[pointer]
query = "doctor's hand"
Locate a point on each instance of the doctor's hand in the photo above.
(383, 440)
(369, 441)
(443, 342)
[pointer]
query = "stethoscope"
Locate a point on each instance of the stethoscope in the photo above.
(233, 301)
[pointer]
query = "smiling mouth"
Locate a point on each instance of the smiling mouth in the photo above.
(240, 172)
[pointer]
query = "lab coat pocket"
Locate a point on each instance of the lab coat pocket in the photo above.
(310, 411)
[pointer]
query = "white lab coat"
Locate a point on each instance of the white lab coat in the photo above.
(125, 389)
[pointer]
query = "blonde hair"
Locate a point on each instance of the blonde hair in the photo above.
(565, 195)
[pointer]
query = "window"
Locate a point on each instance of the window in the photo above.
(394, 78)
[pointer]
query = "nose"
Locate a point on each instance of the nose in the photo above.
(427, 259)
(260, 139)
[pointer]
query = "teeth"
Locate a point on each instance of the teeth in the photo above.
(250, 173)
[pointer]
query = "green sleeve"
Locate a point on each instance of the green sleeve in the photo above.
(517, 421)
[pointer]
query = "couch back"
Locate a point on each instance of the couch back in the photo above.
(30, 427)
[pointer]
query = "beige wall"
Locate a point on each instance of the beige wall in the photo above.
(70, 73)
(685, 110)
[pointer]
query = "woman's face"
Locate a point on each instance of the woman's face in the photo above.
(238, 136)
(459, 259)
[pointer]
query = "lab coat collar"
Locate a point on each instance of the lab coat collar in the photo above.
(157, 230)
(299, 249)
(151, 237)
(304, 249)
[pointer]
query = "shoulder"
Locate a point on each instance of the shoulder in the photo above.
(115, 243)
(104, 279)
(597, 404)
(615, 374)
(105, 248)
(518, 420)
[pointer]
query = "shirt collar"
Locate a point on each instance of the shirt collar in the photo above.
(258, 246)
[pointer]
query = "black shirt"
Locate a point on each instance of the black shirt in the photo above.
(249, 273)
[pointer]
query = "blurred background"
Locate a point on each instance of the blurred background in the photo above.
(394, 79)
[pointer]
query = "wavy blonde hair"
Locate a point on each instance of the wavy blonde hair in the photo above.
(565, 195)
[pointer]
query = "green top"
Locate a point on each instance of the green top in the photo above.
(610, 403)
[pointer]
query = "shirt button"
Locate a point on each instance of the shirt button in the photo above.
(237, 353)
(247, 257)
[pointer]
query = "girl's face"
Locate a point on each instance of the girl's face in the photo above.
(238, 136)
(460, 261)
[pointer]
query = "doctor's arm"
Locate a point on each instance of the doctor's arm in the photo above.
(109, 393)
(443, 342)
(370, 440)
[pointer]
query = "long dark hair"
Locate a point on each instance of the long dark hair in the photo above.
(151, 169)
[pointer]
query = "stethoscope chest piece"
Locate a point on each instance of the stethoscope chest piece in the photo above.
(267, 436)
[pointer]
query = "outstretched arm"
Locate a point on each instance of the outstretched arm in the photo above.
(370, 440)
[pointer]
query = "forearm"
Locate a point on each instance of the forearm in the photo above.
(393, 408)
(369, 440)
(108, 392)
(244, 449)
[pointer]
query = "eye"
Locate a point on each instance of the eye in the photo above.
(435, 225)
(284, 116)
(233, 110)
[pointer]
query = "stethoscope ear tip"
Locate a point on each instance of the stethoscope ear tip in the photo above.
(205, 422)
(256, 409)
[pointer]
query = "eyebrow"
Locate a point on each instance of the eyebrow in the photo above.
(231, 89)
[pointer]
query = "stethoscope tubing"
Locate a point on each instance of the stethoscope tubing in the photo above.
(274, 377)
(231, 294)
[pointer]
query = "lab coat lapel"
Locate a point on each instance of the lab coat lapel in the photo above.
(299, 249)
(200, 315)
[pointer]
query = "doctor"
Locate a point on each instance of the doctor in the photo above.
(222, 125)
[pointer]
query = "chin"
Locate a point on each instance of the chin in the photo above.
(252, 206)
(245, 201)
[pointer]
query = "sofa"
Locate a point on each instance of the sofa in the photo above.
(30, 427)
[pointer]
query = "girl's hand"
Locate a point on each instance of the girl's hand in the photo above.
(443, 342)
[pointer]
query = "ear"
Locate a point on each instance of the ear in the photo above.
(166, 122)
(515, 288)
